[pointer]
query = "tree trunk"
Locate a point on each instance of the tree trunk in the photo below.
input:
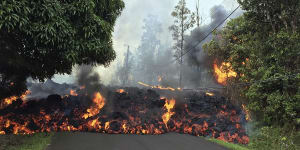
(181, 47)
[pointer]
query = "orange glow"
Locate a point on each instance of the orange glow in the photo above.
(210, 94)
(8, 101)
(106, 125)
(99, 103)
(121, 91)
(169, 104)
(156, 87)
(73, 93)
(221, 74)
(248, 117)
(168, 117)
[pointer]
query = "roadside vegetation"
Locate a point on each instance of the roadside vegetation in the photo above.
(38, 141)
(229, 145)
(263, 47)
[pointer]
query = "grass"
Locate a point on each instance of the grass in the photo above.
(37, 141)
(228, 145)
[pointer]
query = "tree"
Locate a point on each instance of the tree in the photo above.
(264, 51)
(148, 50)
(276, 13)
(123, 72)
(184, 20)
(41, 38)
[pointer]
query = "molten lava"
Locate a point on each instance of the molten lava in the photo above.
(138, 112)
(223, 72)
(209, 94)
(8, 101)
(168, 106)
(121, 91)
(99, 103)
(73, 93)
(158, 87)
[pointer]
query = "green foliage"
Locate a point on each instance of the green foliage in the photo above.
(229, 145)
(41, 38)
(38, 141)
(267, 61)
(273, 138)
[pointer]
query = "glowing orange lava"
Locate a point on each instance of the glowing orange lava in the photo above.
(168, 106)
(121, 91)
(210, 94)
(99, 103)
(8, 101)
(73, 93)
(157, 87)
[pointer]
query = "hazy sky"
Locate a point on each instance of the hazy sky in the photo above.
(129, 27)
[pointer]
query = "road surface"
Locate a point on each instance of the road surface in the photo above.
(97, 141)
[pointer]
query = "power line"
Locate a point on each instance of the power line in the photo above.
(191, 49)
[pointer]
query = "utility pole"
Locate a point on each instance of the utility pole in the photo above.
(198, 17)
(126, 68)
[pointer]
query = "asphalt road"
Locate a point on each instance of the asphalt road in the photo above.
(97, 141)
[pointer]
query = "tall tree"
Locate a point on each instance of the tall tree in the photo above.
(184, 20)
(148, 50)
(44, 37)
(123, 72)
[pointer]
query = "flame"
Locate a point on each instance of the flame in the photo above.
(73, 93)
(8, 101)
(121, 91)
(221, 74)
(248, 117)
(186, 120)
(169, 104)
(99, 103)
(157, 87)
(210, 94)
(106, 127)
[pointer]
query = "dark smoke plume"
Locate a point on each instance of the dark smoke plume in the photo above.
(197, 63)
(88, 79)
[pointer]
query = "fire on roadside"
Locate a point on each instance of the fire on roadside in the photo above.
(158, 87)
(223, 72)
(132, 119)
(99, 103)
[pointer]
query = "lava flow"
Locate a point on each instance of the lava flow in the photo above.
(127, 111)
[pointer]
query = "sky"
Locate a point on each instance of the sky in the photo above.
(129, 28)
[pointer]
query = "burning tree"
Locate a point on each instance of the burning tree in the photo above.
(184, 20)
(41, 38)
(264, 58)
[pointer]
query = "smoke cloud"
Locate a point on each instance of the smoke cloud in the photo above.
(88, 79)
